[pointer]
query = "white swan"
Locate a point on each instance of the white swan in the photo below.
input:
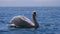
(21, 21)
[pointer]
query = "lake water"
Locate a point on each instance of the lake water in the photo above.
(47, 17)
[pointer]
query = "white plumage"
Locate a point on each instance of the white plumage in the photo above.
(22, 18)
(22, 21)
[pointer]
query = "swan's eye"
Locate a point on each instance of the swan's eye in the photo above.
(34, 12)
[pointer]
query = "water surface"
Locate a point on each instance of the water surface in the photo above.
(47, 17)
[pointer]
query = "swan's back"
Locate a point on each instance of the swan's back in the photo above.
(21, 21)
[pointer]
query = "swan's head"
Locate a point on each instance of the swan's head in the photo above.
(34, 13)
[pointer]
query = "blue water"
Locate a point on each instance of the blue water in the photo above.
(47, 17)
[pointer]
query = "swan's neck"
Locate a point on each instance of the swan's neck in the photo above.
(34, 21)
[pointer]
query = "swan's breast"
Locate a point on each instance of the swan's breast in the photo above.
(29, 21)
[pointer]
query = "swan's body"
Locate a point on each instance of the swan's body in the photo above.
(21, 21)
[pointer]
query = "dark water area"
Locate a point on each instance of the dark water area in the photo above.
(48, 19)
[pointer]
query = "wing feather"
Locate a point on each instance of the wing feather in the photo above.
(24, 19)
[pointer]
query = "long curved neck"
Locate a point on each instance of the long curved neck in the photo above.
(34, 21)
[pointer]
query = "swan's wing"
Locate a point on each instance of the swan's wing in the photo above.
(20, 20)
(27, 20)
